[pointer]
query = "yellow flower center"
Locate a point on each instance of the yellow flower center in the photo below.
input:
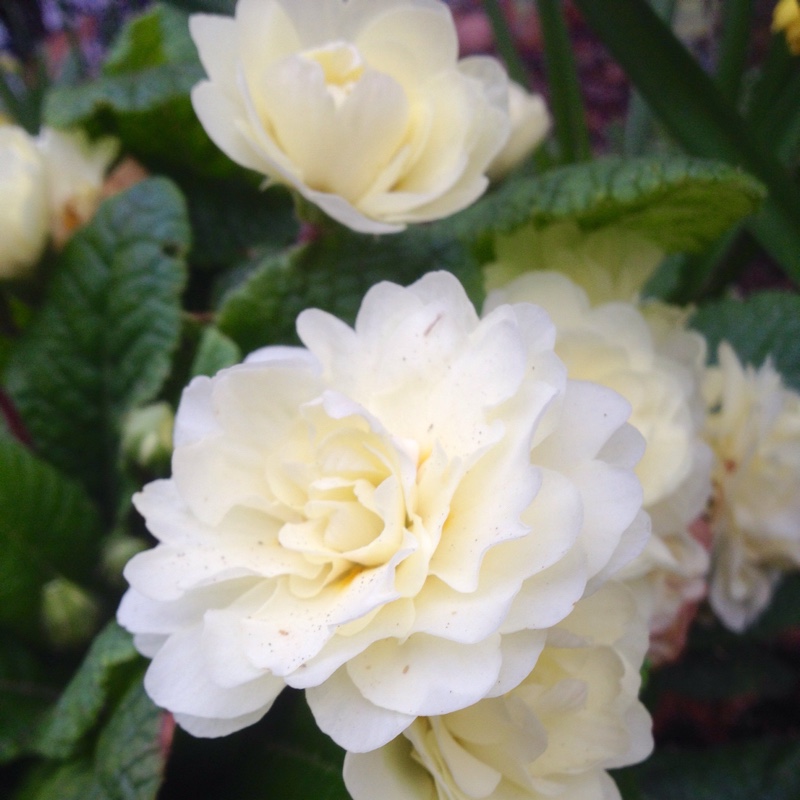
(342, 66)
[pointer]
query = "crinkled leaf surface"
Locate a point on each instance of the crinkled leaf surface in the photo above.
(766, 324)
(102, 342)
(334, 273)
(679, 203)
(81, 704)
(26, 693)
(48, 528)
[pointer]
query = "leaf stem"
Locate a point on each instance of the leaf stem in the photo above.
(572, 134)
(504, 41)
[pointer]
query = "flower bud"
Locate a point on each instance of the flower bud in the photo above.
(69, 613)
(147, 435)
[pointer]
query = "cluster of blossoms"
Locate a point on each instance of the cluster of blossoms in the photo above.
(437, 523)
(50, 185)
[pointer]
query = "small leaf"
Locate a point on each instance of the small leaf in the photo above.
(334, 273)
(48, 528)
(678, 203)
(765, 325)
(215, 352)
(102, 342)
(81, 704)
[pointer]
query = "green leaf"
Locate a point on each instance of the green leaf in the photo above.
(679, 203)
(48, 528)
(333, 273)
(79, 708)
(230, 217)
(131, 750)
(127, 762)
(766, 770)
(26, 693)
(215, 352)
(102, 342)
(145, 87)
(766, 324)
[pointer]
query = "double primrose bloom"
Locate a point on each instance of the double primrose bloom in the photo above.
(392, 517)
(362, 107)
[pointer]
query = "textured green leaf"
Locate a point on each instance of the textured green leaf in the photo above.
(334, 273)
(48, 528)
(678, 203)
(230, 217)
(215, 352)
(102, 342)
(81, 704)
(763, 770)
(25, 695)
(145, 87)
(764, 325)
(130, 755)
(127, 762)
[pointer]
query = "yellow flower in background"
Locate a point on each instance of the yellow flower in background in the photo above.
(786, 18)
(362, 107)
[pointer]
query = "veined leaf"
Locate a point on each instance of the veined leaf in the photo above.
(102, 342)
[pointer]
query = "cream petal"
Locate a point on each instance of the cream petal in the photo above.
(219, 115)
(425, 676)
(349, 718)
(392, 768)
(178, 681)
(217, 42)
(411, 41)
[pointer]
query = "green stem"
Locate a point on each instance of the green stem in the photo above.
(566, 102)
(504, 41)
(736, 24)
(639, 121)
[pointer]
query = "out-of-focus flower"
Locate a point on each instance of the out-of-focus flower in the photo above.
(786, 18)
(530, 122)
(554, 736)
(753, 427)
(75, 169)
(608, 263)
(23, 203)
(391, 518)
(655, 364)
(360, 106)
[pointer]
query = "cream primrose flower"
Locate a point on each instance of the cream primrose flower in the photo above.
(609, 263)
(753, 426)
(391, 518)
(530, 123)
(23, 199)
(656, 366)
(360, 105)
(76, 168)
(553, 736)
